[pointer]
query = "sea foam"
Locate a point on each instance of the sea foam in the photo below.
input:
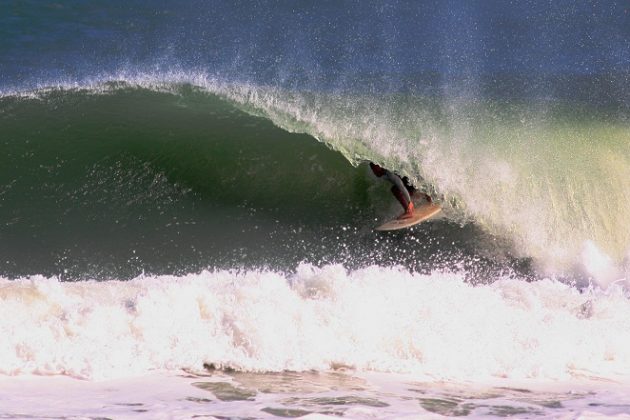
(372, 319)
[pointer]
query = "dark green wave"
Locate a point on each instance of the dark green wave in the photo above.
(102, 185)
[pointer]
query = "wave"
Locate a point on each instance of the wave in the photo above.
(549, 177)
(370, 319)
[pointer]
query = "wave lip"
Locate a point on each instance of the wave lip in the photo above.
(372, 319)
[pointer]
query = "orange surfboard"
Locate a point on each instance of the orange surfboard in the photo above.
(421, 213)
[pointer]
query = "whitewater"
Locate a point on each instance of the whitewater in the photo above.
(436, 335)
(315, 319)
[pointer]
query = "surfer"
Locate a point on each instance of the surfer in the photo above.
(402, 189)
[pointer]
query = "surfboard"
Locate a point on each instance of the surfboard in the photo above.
(420, 214)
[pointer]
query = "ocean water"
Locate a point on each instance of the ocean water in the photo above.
(187, 214)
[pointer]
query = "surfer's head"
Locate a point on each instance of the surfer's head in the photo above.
(378, 170)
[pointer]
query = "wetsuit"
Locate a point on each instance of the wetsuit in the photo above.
(402, 189)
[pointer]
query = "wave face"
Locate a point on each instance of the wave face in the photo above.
(528, 171)
(155, 176)
(113, 182)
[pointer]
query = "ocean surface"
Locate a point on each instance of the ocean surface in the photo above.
(187, 215)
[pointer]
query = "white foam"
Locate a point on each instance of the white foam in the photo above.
(599, 265)
(372, 319)
(325, 396)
